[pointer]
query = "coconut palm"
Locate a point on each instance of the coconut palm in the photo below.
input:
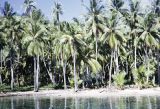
(117, 6)
(57, 11)
(11, 29)
(34, 33)
(156, 7)
(48, 55)
(72, 42)
(131, 15)
(114, 35)
(2, 44)
(94, 20)
(148, 34)
(28, 6)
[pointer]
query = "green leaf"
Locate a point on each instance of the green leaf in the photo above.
(112, 41)
(30, 48)
(143, 35)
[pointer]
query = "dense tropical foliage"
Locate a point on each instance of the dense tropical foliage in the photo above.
(116, 43)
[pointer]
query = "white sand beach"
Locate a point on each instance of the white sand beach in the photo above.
(103, 92)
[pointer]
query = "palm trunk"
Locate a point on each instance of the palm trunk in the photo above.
(147, 57)
(135, 57)
(12, 75)
(127, 68)
(158, 58)
(35, 74)
(110, 70)
(49, 71)
(1, 79)
(75, 74)
(64, 75)
(116, 56)
(1, 70)
(11, 63)
(64, 70)
(96, 47)
(87, 70)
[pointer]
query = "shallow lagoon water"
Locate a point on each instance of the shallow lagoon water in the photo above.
(51, 102)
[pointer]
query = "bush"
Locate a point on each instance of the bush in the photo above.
(143, 78)
(119, 79)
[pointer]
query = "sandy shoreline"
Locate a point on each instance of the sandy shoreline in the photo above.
(87, 93)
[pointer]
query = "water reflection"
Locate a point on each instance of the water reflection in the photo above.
(38, 102)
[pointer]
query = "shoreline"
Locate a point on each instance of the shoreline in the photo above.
(103, 92)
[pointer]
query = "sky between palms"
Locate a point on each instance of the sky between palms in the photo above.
(71, 8)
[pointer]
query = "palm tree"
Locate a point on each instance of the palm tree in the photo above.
(148, 34)
(94, 20)
(63, 52)
(114, 35)
(12, 28)
(156, 11)
(131, 15)
(117, 6)
(29, 6)
(57, 11)
(155, 7)
(72, 43)
(48, 55)
(34, 33)
(2, 44)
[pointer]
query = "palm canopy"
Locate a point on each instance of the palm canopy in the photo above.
(35, 33)
(156, 7)
(132, 13)
(94, 17)
(114, 31)
(117, 5)
(72, 41)
(147, 30)
(2, 34)
(94, 21)
(7, 11)
(29, 6)
(57, 11)
(70, 37)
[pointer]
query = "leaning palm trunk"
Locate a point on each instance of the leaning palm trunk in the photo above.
(49, 71)
(110, 70)
(75, 75)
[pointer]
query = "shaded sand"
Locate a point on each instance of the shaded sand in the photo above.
(104, 92)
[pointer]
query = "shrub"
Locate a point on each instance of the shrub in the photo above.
(119, 79)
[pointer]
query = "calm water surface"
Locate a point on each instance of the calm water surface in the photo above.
(50, 102)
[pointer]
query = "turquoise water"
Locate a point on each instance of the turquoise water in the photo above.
(50, 102)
